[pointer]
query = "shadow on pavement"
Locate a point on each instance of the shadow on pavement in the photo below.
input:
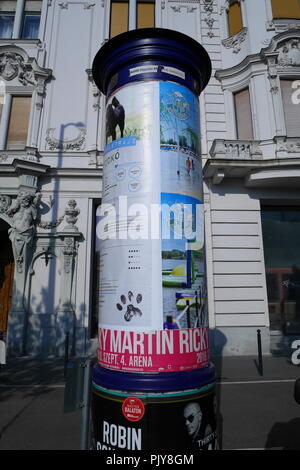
(284, 436)
(218, 341)
(31, 370)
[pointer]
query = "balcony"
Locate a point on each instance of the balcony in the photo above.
(274, 163)
(287, 147)
(236, 149)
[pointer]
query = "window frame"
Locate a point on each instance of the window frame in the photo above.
(147, 2)
(282, 17)
(231, 3)
(26, 14)
(290, 79)
(16, 94)
(275, 205)
(139, 2)
(250, 112)
(12, 14)
(111, 13)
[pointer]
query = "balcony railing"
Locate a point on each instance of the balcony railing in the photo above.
(236, 149)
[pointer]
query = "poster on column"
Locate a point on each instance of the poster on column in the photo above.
(127, 254)
(152, 283)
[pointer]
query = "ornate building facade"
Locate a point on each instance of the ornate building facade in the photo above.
(51, 152)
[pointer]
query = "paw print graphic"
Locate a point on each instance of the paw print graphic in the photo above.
(131, 309)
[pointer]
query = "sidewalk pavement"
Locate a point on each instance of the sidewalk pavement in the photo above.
(240, 368)
(32, 415)
(29, 370)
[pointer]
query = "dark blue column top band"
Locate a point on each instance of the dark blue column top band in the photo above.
(159, 382)
(151, 54)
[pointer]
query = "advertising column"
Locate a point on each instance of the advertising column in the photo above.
(153, 354)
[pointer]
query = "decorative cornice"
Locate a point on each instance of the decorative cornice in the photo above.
(189, 9)
(65, 5)
(282, 24)
(279, 40)
(267, 57)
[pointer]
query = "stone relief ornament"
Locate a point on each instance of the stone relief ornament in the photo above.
(69, 251)
(12, 65)
(234, 42)
(288, 145)
(5, 202)
(3, 157)
(47, 225)
(179, 8)
(22, 215)
(9, 65)
(71, 213)
(209, 20)
(73, 144)
(289, 53)
(233, 149)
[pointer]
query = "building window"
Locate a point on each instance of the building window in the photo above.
(31, 19)
(7, 17)
(244, 127)
(234, 17)
(291, 109)
(31, 24)
(146, 14)
(6, 25)
(281, 233)
(18, 123)
(286, 8)
(119, 15)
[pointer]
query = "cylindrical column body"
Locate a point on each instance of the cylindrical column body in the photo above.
(153, 322)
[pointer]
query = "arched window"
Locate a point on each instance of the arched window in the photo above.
(234, 17)
(286, 8)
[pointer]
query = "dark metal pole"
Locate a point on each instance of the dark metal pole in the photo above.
(85, 405)
(66, 353)
(260, 360)
(188, 314)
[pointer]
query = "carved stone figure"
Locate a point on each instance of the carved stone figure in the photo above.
(12, 65)
(9, 65)
(23, 212)
(289, 53)
(5, 202)
(71, 213)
